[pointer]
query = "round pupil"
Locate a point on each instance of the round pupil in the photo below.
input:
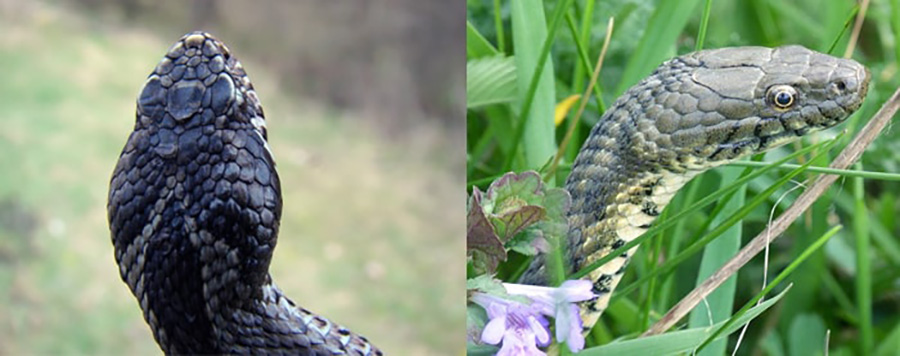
(783, 98)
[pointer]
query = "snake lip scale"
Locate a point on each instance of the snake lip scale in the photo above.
(194, 209)
(693, 113)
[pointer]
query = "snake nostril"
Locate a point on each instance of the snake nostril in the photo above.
(841, 85)
(838, 86)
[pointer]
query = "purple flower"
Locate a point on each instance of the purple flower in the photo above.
(521, 328)
(559, 303)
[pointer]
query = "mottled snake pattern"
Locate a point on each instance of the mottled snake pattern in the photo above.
(695, 112)
(194, 209)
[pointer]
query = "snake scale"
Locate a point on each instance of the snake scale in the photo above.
(693, 113)
(194, 209)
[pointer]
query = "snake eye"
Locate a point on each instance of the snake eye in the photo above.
(783, 96)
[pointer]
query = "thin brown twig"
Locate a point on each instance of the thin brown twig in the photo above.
(584, 99)
(857, 27)
(847, 157)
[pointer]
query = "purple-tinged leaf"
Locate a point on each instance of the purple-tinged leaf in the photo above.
(482, 243)
(512, 222)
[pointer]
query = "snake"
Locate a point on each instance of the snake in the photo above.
(693, 113)
(194, 208)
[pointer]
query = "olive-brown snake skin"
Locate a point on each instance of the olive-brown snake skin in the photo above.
(194, 209)
(695, 112)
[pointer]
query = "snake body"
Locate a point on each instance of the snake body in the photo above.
(693, 113)
(194, 209)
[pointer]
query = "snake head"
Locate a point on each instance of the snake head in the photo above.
(714, 106)
(199, 83)
(196, 175)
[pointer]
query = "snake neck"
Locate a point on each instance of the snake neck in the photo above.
(616, 195)
(301, 330)
(617, 192)
(195, 246)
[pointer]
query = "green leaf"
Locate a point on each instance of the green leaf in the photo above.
(557, 202)
(476, 318)
(806, 335)
(476, 45)
(536, 85)
(720, 302)
(481, 350)
(485, 283)
(530, 242)
(524, 213)
(525, 186)
(490, 80)
(891, 343)
(677, 341)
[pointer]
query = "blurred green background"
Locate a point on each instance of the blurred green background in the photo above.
(850, 287)
(364, 106)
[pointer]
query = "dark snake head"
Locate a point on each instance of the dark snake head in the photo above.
(196, 83)
(718, 105)
(194, 201)
(198, 160)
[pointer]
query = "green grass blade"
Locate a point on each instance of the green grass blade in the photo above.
(837, 292)
(720, 302)
(658, 41)
(704, 23)
(844, 29)
(881, 236)
(895, 26)
(490, 80)
(724, 329)
(535, 81)
(803, 20)
(806, 335)
(891, 343)
(476, 45)
(863, 266)
(498, 26)
(677, 240)
(682, 341)
(579, 73)
(481, 350)
(586, 67)
(841, 172)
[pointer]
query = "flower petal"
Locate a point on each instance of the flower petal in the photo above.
(518, 342)
(497, 310)
(540, 331)
(533, 292)
(494, 330)
(568, 327)
(575, 341)
(574, 291)
(491, 303)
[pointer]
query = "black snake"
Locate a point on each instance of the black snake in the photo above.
(194, 208)
(693, 113)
